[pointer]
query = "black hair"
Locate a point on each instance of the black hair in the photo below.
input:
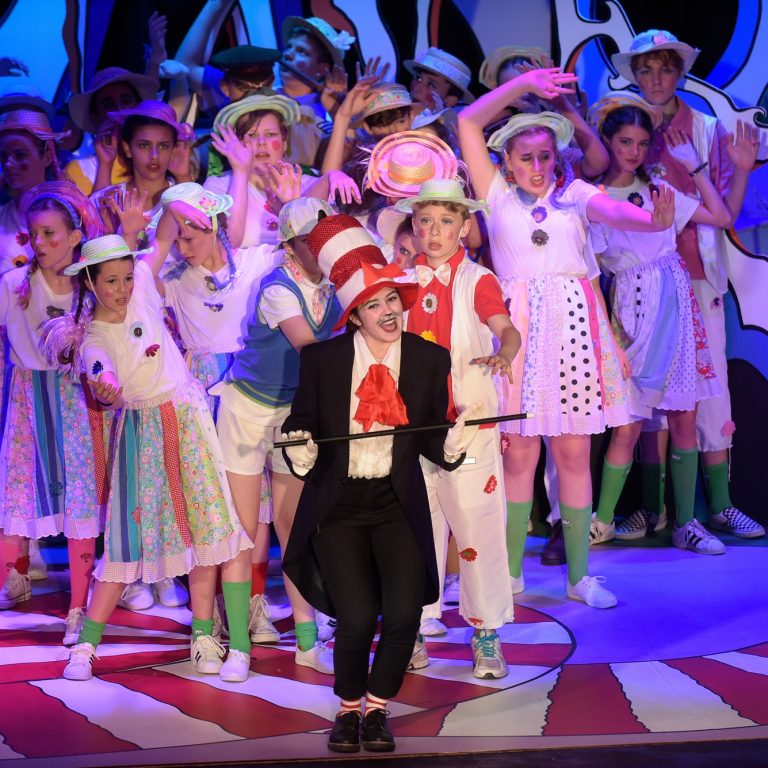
(387, 117)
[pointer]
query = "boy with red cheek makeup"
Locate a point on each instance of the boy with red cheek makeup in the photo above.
(460, 307)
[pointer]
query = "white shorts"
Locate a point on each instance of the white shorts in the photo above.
(247, 432)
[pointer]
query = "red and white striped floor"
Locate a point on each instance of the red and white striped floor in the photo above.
(684, 656)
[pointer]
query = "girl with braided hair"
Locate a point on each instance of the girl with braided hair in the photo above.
(53, 453)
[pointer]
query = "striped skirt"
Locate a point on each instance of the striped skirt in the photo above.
(54, 457)
(209, 368)
(169, 506)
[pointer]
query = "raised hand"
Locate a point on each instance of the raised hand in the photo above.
(158, 26)
(239, 154)
(335, 88)
(130, 212)
(681, 147)
(358, 97)
(105, 143)
(283, 184)
(342, 185)
(548, 82)
(186, 215)
(373, 68)
(663, 214)
(743, 146)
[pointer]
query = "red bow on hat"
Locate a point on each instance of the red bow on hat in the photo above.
(379, 400)
(372, 273)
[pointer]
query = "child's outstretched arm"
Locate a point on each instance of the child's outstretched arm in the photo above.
(602, 209)
(547, 83)
(240, 158)
(107, 391)
(509, 339)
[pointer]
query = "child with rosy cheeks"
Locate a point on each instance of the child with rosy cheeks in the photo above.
(53, 431)
(165, 449)
(460, 307)
(253, 136)
(654, 307)
(570, 372)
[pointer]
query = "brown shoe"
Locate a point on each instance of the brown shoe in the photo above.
(554, 550)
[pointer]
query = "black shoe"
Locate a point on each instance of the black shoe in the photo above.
(376, 735)
(345, 734)
(554, 550)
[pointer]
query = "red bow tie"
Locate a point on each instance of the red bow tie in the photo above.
(379, 400)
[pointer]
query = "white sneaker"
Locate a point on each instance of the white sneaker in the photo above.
(517, 583)
(489, 661)
(326, 627)
(600, 531)
(419, 657)
(695, 537)
(17, 589)
(261, 628)
(38, 568)
(74, 623)
(207, 654)
(220, 628)
(451, 588)
(319, 657)
(640, 524)
(136, 597)
(590, 591)
(236, 668)
(432, 628)
(171, 593)
(80, 665)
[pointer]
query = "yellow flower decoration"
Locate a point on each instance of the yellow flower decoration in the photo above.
(20, 260)
(429, 336)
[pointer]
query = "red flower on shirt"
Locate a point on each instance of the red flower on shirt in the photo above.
(152, 350)
(468, 554)
(490, 486)
(22, 238)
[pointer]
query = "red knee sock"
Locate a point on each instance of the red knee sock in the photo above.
(81, 552)
(259, 578)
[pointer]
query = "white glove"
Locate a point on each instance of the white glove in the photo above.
(170, 69)
(303, 457)
(460, 436)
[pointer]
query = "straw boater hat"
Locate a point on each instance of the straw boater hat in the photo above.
(648, 42)
(299, 217)
(80, 103)
(561, 126)
(20, 93)
(490, 68)
(402, 162)
(441, 191)
(387, 96)
(156, 110)
(440, 62)
(618, 99)
(353, 262)
(81, 210)
(336, 43)
(98, 250)
(31, 121)
(229, 115)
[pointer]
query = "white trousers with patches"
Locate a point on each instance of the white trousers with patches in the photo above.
(470, 503)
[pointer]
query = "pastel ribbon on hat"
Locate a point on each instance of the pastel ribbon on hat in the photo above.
(372, 273)
(380, 400)
(425, 274)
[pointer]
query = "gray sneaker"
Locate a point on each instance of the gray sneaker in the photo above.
(489, 661)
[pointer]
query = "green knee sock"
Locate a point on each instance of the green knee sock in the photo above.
(201, 627)
(91, 632)
(576, 537)
(306, 635)
(683, 466)
(518, 513)
(237, 598)
(716, 478)
(653, 477)
(611, 486)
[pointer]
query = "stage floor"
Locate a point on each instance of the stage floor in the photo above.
(683, 657)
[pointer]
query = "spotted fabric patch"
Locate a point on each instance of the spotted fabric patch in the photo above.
(468, 554)
(506, 441)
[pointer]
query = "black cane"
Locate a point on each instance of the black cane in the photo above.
(408, 430)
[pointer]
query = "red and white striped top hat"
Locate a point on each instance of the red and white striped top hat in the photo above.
(353, 262)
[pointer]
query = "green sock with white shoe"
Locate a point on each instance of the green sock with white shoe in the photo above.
(237, 599)
(306, 635)
(576, 523)
(201, 627)
(91, 632)
(683, 465)
(612, 484)
(518, 514)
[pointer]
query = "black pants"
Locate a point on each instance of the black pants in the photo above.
(371, 560)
